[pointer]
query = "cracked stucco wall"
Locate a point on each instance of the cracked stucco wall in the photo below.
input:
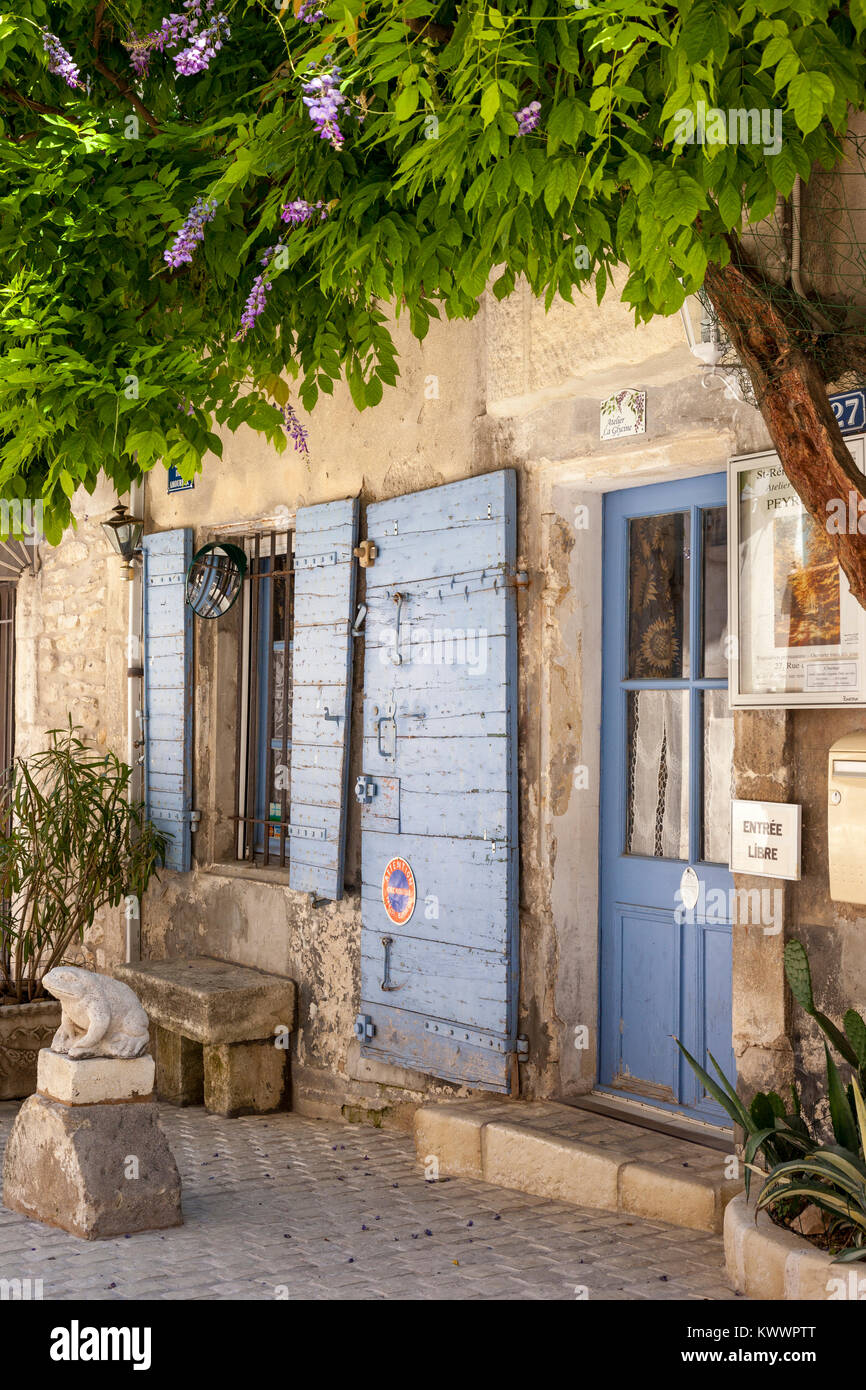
(515, 388)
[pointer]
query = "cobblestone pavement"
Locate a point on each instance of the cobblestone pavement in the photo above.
(281, 1206)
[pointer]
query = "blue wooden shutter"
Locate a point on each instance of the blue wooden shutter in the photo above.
(324, 589)
(439, 992)
(168, 691)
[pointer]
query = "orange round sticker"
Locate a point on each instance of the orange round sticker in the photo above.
(398, 891)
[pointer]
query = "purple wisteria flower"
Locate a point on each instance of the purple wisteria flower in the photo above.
(310, 12)
(190, 234)
(257, 298)
(295, 429)
(202, 31)
(59, 61)
(301, 211)
(323, 98)
(528, 117)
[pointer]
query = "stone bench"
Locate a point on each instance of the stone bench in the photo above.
(221, 1032)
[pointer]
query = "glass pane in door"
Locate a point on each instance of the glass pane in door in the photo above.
(658, 596)
(715, 592)
(718, 754)
(657, 800)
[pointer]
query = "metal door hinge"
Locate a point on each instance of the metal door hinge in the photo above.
(364, 1027)
(522, 1047)
(314, 562)
(366, 553)
(193, 817)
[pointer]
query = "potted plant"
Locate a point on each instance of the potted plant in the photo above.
(70, 843)
(807, 1174)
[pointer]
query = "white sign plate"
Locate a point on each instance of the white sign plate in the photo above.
(765, 838)
(623, 413)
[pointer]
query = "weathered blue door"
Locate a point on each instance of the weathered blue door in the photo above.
(665, 794)
(438, 789)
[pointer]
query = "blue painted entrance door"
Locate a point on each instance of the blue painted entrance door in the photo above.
(666, 750)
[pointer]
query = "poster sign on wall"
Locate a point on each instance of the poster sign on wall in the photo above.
(765, 839)
(798, 633)
(623, 413)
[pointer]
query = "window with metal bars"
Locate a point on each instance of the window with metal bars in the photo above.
(264, 695)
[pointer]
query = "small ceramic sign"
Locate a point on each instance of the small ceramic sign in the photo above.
(765, 839)
(623, 413)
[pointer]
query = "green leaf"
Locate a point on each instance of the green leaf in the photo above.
(406, 103)
(490, 103)
(730, 206)
(799, 975)
(855, 1030)
(844, 1126)
(810, 94)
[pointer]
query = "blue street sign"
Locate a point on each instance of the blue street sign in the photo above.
(849, 407)
(176, 482)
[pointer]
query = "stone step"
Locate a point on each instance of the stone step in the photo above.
(553, 1150)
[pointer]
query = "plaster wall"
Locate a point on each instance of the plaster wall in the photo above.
(515, 388)
(70, 659)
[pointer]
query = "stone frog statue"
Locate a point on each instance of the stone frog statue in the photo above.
(101, 1016)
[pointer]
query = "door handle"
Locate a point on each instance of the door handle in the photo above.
(387, 984)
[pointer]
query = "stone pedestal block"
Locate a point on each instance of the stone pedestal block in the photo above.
(179, 1068)
(93, 1170)
(245, 1078)
(91, 1080)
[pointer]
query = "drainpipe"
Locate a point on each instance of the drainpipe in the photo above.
(815, 315)
(796, 198)
(134, 719)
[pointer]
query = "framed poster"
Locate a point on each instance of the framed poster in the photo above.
(799, 638)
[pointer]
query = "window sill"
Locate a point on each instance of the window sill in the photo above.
(275, 875)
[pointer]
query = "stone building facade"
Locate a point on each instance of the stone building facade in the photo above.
(514, 389)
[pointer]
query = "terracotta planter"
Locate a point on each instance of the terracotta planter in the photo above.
(24, 1029)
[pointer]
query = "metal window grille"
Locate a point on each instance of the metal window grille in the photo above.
(264, 685)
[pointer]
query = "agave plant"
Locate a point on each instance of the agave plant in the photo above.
(832, 1178)
(768, 1127)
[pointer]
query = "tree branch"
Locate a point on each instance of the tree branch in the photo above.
(792, 396)
(126, 91)
(428, 30)
(97, 25)
(30, 105)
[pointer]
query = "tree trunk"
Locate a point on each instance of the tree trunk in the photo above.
(792, 396)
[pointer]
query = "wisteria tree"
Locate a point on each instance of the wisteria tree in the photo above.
(208, 215)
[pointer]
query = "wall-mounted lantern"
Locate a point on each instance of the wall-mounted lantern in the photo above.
(124, 533)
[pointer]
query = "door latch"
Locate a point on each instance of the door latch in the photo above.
(365, 789)
(366, 553)
(386, 732)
